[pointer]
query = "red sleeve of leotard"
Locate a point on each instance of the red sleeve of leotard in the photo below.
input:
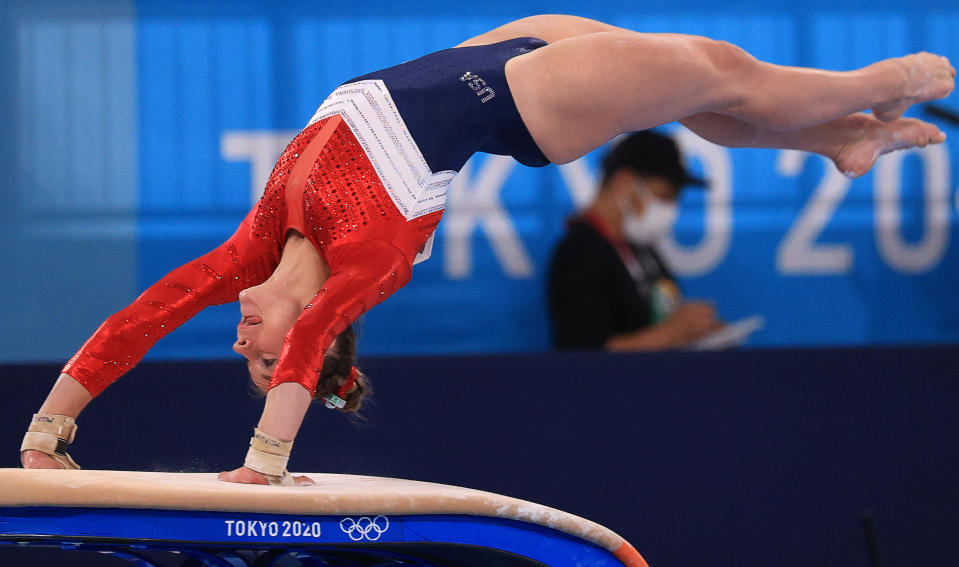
(214, 278)
(362, 275)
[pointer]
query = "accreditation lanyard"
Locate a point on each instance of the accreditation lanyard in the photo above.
(622, 247)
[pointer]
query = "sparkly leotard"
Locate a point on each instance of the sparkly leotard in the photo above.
(365, 182)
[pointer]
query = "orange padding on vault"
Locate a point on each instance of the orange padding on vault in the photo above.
(629, 556)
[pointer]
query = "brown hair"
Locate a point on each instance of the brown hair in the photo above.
(337, 366)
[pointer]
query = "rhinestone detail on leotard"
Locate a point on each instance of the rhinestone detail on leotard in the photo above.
(341, 196)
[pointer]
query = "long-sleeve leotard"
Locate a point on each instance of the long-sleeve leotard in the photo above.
(212, 279)
(338, 204)
(364, 182)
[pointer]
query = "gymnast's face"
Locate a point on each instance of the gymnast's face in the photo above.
(265, 319)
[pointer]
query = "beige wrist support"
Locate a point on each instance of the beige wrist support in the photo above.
(268, 456)
(50, 434)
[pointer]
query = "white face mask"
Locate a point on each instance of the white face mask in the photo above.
(654, 223)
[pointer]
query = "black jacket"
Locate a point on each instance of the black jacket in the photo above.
(592, 295)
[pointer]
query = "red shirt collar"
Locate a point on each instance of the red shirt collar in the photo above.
(595, 221)
(620, 244)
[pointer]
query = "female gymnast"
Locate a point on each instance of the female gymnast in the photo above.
(355, 197)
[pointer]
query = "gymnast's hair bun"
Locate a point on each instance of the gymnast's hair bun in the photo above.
(339, 362)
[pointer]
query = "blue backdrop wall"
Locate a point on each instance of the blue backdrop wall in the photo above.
(141, 133)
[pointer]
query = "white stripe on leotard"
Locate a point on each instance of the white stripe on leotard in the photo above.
(369, 111)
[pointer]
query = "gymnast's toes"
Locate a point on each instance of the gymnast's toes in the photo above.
(926, 77)
(931, 77)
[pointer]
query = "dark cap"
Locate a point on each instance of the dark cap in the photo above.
(647, 152)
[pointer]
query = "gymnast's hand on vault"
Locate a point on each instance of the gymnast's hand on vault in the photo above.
(38, 460)
(248, 476)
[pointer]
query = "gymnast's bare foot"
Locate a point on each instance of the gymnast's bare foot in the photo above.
(926, 76)
(868, 138)
(37, 460)
(244, 475)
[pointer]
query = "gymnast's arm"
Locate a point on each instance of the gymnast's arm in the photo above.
(363, 274)
(125, 337)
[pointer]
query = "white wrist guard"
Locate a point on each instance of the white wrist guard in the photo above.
(51, 434)
(268, 456)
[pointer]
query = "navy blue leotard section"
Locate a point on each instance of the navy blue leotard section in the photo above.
(444, 99)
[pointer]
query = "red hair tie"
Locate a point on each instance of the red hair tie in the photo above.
(338, 400)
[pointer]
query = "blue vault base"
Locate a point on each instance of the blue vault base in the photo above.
(228, 539)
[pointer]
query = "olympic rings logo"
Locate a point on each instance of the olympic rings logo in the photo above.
(365, 528)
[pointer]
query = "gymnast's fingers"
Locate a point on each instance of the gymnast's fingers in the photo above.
(242, 475)
(304, 481)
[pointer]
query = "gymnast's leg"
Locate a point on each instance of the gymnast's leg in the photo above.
(579, 92)
(853, 142)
